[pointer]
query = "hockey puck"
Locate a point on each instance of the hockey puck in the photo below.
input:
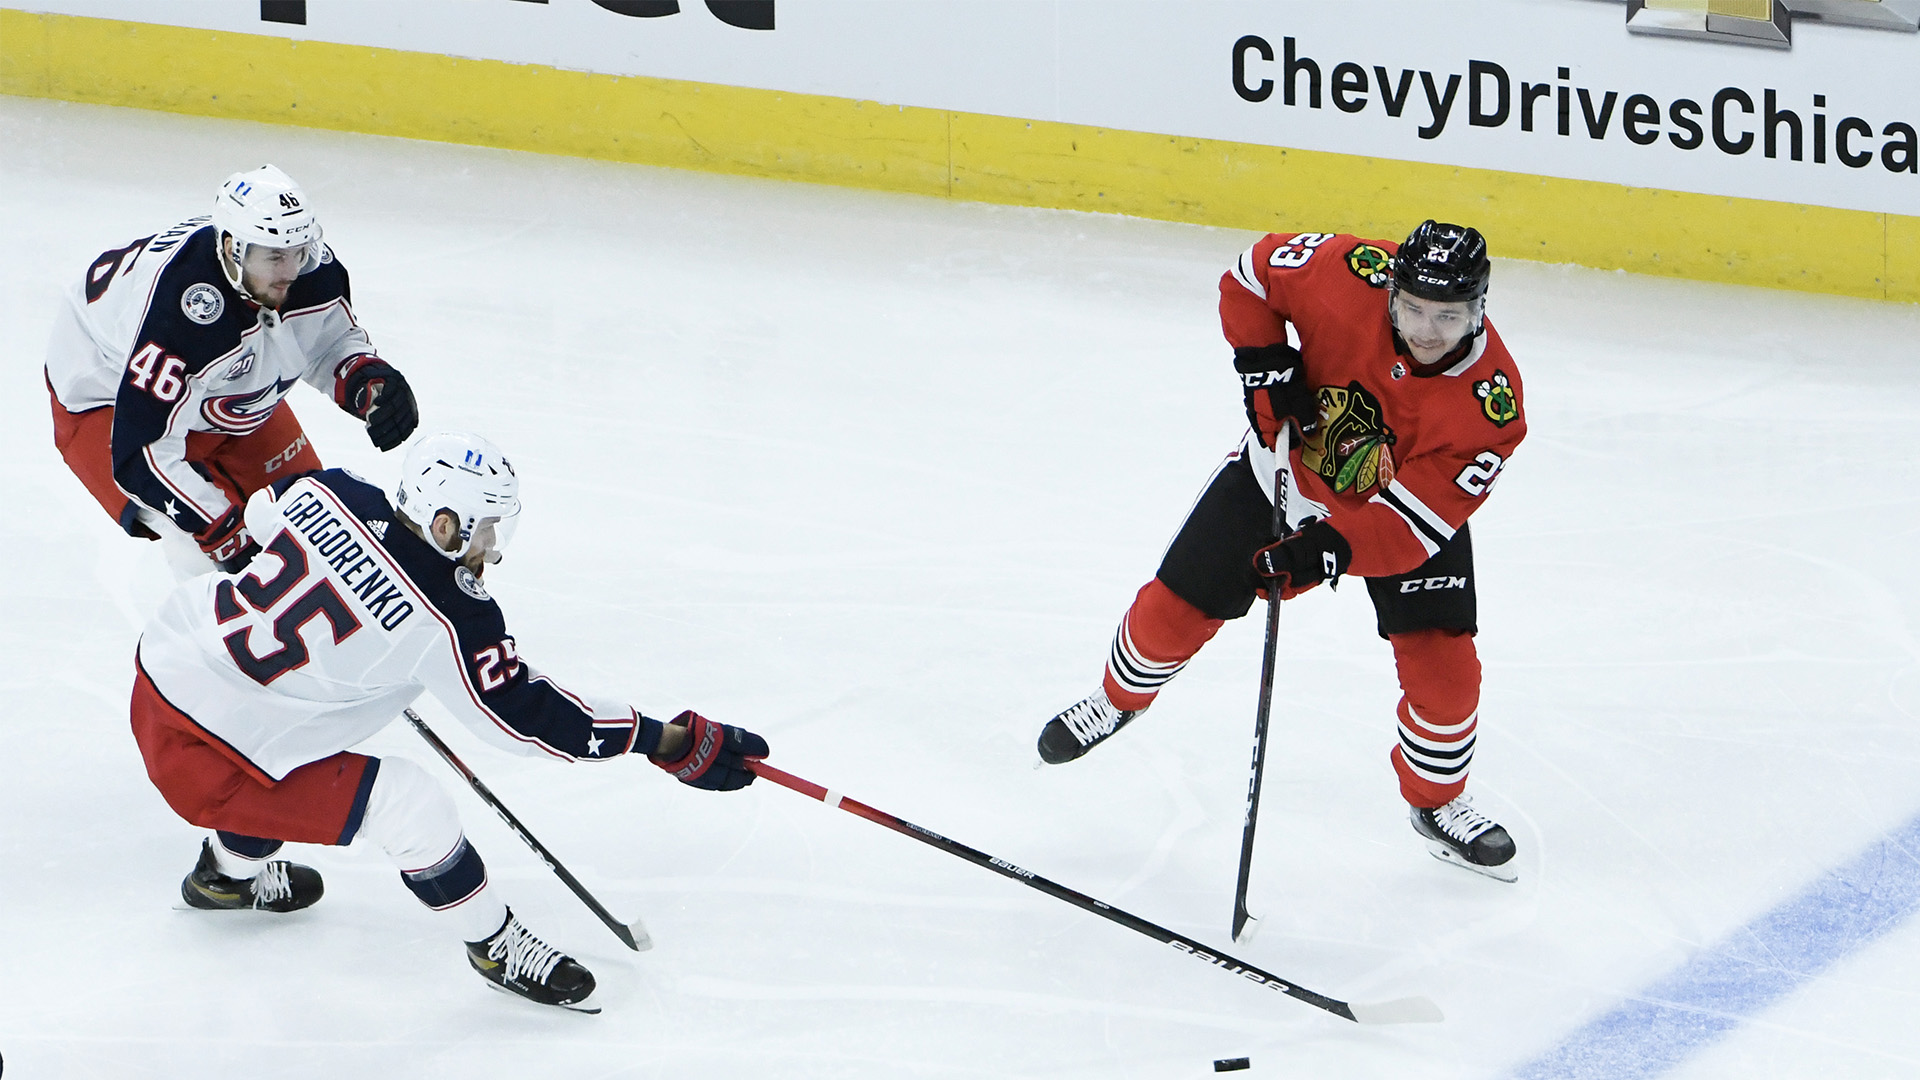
(1231, 1064)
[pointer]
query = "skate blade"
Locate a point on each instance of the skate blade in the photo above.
(589, 1006)
(181, 905)
(1506, 871)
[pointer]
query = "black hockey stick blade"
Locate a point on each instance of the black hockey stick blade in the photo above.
(1413, 1010)
(1245, 925)
(633, 935)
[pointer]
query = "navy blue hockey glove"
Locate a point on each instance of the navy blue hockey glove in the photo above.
(226, 541)
(1315, 554)
(1274, 379)
(716, 755)
(378, 394)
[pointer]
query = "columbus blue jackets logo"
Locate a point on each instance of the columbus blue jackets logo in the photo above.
(242, 414)
(469, 584)
(1497, 402)
(202, 303)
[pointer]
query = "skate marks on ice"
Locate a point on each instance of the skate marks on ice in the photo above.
(1732, 981)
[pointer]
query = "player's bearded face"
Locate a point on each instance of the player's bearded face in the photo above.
(1431, 328)
(268, 272)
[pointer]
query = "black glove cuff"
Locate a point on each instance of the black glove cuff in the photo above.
(1248, 359)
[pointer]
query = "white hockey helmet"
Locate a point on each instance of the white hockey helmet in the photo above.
(466, 476)
(263, 207)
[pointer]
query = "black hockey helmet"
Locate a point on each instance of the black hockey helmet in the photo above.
(1443, 262)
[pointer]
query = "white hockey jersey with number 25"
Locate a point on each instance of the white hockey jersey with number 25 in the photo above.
(344, 617)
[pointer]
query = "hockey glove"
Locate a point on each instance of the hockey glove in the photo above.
(1315, 554)
(1274, 378)
(226, 541)
(716, 755)
(378, 394)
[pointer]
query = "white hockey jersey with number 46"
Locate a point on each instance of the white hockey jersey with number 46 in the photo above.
(343, 619)
(155, 331)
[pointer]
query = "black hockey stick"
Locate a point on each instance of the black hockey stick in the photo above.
(1244, 924)
(633, 934)
(1413, 1010)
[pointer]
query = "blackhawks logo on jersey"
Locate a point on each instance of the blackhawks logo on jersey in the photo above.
(1370, 264)
(1496, 399)
(1352, 450)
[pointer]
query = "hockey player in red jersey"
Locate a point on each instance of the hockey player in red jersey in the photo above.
(1400, 406)
(251, 686)
(169, 361)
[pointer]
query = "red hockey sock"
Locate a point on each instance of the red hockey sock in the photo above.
(1439, 713)
(1156, 638)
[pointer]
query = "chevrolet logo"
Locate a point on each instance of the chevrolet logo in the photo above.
(1764, 22)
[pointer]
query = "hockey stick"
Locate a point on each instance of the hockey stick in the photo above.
(1413, 1010)
(633, 934)
(1246, 925)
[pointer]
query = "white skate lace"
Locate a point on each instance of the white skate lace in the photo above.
(271, 884)
(523, 953)
(1461, 821)
(1092, 719)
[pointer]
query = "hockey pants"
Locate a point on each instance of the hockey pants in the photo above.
(1428, 616)
(347, 797)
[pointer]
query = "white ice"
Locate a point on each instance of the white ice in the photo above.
(875, 476)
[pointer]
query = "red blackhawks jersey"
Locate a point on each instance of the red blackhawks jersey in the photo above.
(1400, 460)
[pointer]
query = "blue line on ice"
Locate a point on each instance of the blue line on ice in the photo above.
(1747, 971)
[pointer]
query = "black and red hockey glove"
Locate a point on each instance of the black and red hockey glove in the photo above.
(226, 541)
(373, 391)
(1315, 554)
(716, 755)
(1274, 378)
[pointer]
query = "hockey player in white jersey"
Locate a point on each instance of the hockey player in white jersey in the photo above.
(169, 360)
(251, 686)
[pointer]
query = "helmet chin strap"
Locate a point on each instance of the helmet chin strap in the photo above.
(230, 264)
(231, 254)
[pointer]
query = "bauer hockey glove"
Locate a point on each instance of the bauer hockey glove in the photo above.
(716, 755)
(373, 391)
(227, 543)
(1315, 554)
(1274, 378)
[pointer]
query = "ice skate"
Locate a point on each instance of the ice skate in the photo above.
(280, 886)
(1081, 728)
(519, 963)
(1459, 834)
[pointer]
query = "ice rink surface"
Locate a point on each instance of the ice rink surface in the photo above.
(875, 476)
